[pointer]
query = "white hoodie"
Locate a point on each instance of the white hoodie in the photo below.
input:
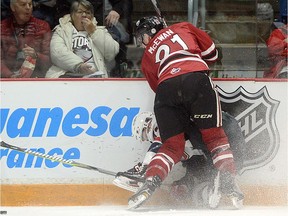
(104, 48)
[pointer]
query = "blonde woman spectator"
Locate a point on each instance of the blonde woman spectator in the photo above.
(80, 48)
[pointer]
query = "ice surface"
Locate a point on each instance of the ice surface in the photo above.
(143, 211)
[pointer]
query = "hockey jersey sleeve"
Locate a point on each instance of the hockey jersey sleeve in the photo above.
(147, 69)
(207, 46)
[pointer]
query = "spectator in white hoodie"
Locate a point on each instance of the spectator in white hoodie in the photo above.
(79, 48)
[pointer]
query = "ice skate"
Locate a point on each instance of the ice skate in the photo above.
(131, 179)
(144, 193)
(127, 184)
(214, 196)
(230, 188)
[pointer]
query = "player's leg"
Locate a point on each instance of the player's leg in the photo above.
(133, 178)
(235, 137)
(158, 169)
(201, 177)
(206, 113)
(171, 121)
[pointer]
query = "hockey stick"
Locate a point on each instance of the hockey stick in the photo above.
(158, 11)
(57, 159)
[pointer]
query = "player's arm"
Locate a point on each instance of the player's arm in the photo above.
(151, 77)
(208, 49)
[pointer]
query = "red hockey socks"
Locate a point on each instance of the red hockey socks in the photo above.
(218, 145)
(169, 154)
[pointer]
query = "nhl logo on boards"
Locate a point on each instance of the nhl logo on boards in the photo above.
(255, 114)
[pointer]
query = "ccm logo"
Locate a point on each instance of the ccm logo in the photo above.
(203, 116)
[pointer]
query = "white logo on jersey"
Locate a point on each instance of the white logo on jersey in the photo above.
(175, 70)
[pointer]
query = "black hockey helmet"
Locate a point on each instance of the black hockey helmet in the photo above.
(147, 25)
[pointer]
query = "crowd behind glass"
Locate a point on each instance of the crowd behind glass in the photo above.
(74, 39)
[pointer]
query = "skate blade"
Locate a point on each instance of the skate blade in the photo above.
(214, 200)
(136, 202)
(119, 183)
(237, 203)
(215, 195)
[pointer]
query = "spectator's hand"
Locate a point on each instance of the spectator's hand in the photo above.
(112, 18)
(16, 75)
(285, 40)
(26, 72)
(88, 25)
(85, 69)
(29, 51)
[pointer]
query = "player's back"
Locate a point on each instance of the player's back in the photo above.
(176, 50)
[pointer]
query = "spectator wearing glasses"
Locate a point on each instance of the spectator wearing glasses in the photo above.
(116, 16)
(79, 47)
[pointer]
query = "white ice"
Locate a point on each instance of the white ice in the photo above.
(144, 211)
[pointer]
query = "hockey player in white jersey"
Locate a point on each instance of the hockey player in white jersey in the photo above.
(202, 182)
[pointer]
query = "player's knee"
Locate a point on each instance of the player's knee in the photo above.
(218, 145)
(174, 147)
(214, 138)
